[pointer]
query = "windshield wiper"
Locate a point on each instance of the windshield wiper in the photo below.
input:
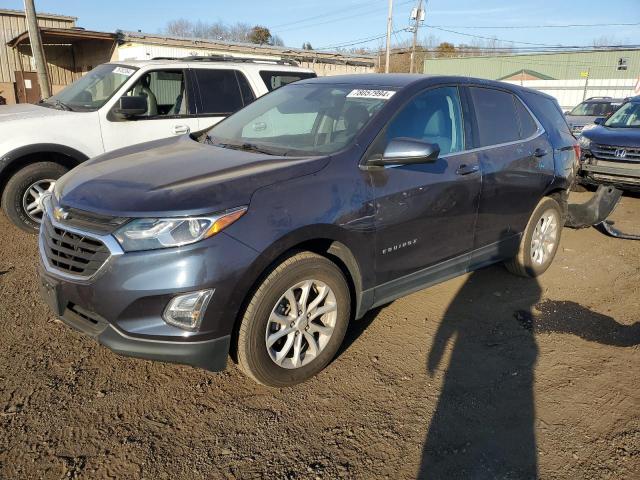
(63, 106)
(245, 147)
(56, 104)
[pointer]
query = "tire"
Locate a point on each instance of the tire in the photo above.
(17, 187)
(256, 359)
(531, 261)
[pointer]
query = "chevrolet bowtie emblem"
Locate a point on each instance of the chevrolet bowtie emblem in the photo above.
(60, 214)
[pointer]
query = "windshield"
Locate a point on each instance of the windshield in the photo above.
(307, 119)
(92, 91)
(628, 116)
(594, 109)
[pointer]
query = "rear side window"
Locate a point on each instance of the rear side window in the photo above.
(275, 80)
(496, 116)
(548, 112)
(219, 91)
(528, 126)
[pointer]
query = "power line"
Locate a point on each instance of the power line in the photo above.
(359, 41)
(571, 25)
(323, 15)
(494, 38)
(300, 24)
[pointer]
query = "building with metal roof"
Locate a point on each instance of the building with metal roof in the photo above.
(569, 76)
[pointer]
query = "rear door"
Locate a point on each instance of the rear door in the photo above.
(516, 161)
(221, 93)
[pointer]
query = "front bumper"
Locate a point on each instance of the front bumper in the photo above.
(207, 354)
(598, 172)
(121, 305)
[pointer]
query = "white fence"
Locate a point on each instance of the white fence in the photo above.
(570, 93)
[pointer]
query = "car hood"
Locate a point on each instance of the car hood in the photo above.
(620, 137)
(574, 120)
(174, 177)
(25, 111)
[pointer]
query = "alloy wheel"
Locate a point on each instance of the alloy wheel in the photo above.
(301, 324)
(33, 196)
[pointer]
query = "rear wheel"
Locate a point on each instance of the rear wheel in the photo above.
(22, 196)
(295, 321)
(540, 240)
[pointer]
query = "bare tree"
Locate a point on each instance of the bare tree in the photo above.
(179, 28)
(236, 32)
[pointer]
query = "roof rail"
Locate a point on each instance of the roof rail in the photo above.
(229, 58)
(593, 98)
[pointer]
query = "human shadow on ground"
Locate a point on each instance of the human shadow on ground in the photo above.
(483, 425)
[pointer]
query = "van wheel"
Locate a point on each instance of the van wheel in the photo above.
(540, 240)
(22, 196)
(295, 321)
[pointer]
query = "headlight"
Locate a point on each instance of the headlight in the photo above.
(153, 233)
(584, 142)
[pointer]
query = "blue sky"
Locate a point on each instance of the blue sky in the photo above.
(326, 23)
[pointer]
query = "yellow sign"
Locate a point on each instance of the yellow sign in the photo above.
(584, 74)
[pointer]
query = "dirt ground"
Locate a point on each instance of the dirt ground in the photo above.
(484, 376)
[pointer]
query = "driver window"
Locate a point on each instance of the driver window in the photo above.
(433, 116)
(164, 91)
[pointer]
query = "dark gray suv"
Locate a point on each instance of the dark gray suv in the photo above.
(264, 236)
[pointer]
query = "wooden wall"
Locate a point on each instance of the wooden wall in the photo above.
(12, 25)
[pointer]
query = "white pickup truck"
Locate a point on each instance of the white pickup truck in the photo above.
(120, 104)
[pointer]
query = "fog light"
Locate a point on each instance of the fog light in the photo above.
(186, 311)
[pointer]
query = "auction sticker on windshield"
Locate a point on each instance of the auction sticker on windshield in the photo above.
(127, 72)
(381, 94)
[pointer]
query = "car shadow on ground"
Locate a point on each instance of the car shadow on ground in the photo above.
(483, 425)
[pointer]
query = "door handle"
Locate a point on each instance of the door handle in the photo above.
(181, 129)
(465, 169)
(540, 152)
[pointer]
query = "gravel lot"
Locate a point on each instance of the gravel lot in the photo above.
(484, 376)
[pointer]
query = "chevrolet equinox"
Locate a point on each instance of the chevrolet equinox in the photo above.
(265, 235)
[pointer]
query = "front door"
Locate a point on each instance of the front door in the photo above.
(170, 111)
(425, 213)
(27, 87)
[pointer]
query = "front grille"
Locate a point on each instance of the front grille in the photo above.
(72, 253)
(610, 152)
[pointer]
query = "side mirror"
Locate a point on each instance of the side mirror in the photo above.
(407, 151)
(567, 112)
(599, 120)
(131, 106)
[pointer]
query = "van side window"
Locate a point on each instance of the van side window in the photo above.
(528, 126)
(433, 116)
(496, 116)
(219, 91)
(273, 80)
(164, 91)
(245, 89)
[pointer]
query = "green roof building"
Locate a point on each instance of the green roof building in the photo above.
(598, 64)
(570, 77)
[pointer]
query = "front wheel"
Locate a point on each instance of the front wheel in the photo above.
(540, 240)
(23, 194)
(295, 321)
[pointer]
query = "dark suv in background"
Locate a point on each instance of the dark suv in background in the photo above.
(586, 112)
(611, 149)
(317, 202)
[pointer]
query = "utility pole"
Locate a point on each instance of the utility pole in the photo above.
(417, 14)
(36, 48)
(389, 25)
